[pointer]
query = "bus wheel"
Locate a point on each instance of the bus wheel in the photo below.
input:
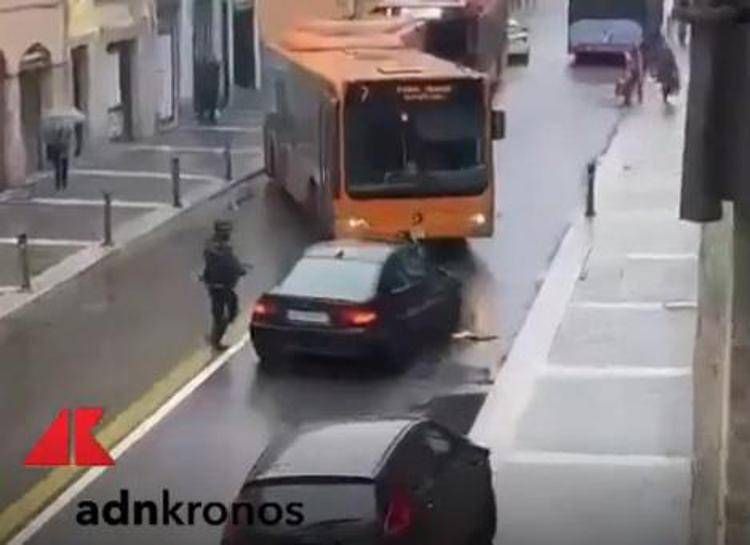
(315, 208)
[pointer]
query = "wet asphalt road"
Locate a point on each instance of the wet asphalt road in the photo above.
(558, 118)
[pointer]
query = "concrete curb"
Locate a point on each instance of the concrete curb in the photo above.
(496, 422)
(132, 230)
(510, 393)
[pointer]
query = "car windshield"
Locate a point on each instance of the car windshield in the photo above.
(415, 139)
(331, 278)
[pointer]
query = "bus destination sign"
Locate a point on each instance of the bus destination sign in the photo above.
(424, 92)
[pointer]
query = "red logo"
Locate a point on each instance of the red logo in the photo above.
(54, 447)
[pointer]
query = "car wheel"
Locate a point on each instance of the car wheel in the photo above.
(525, 59)
(270, 128)
(270, 364)
(268, 359)
(394, 357)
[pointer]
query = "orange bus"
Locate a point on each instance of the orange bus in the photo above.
(379, 140)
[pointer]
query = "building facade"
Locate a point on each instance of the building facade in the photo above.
(33, 78)
(127, 65)
(111, 47)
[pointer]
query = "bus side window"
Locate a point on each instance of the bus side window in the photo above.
(329, 157)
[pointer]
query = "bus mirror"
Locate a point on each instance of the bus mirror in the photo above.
(498, 124)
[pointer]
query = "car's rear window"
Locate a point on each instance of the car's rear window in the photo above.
(330, 278)
(345, 502)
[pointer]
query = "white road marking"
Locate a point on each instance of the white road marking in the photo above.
(512, 391)
(659, 257)
(136, 435)
(144, 174)
(618, 371)
(224, 128)
(632, 460)
(8, 289)
(634, 305)
(99, 202)
(247, 150)
(51, 242)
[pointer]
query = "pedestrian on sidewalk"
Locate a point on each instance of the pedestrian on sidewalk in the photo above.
(208, 89)
(221, 273)
(667, 73)
(632, 78)
(58, 138)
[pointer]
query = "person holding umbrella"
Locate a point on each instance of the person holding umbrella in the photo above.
(58, 130)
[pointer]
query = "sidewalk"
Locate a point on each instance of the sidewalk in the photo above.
(66, 229)
(590, 420)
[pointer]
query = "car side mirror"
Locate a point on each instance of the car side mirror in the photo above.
(498, 124)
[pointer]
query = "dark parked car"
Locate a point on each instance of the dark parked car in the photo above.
(379, 482)
(356, 299)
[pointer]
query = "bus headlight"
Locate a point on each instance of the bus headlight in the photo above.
(478, 219)
(357, 223)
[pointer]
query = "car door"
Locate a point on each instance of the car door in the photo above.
(412, 469)
(433, 288)
(415, 269)
(460, 487)
(401, 294)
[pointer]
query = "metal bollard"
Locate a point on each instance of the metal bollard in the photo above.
(23, 256)
(228, 161)
(590, 177)
(176, 195)
(107, 218)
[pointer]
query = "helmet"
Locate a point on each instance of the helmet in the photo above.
(223, 227)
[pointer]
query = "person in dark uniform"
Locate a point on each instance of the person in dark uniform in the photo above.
(221, 273)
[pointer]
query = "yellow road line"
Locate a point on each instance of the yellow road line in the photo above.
(18, 514)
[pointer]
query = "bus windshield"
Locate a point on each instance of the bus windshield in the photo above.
(415, 139)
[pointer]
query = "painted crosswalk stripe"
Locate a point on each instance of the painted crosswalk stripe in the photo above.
(634, 305)
(247, 150)
(143, 174)
(660, 257)
(98, 202)
(224, 128)
(51, 242)
(616, 371)
(576, 458)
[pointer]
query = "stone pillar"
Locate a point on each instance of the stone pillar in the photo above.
(711, 370)
(15, 151)
(144, 83)
(738, 440)
(186, 50)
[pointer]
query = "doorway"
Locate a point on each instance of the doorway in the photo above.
(80, 59)
(3, 180)
(166, 74)
(31, 115)
(33, 73)
(121, 108)
(226, 77)
(244, 47)
(168, 62)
